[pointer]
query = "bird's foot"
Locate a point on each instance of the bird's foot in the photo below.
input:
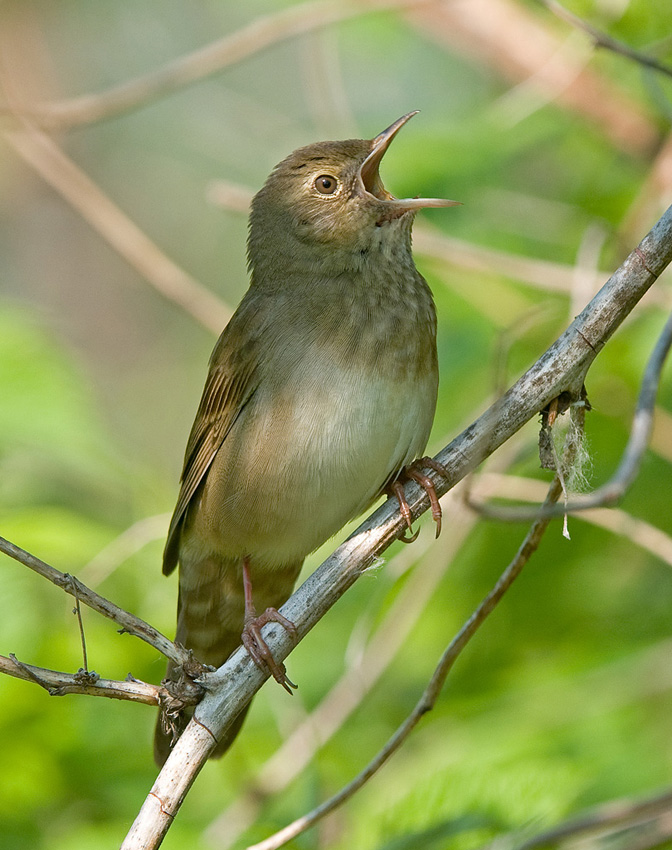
(258, 649)
(415, 473)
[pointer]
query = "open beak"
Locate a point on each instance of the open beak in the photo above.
(373, 185)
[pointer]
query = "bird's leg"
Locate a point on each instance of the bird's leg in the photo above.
(414, 472)
(397, 490)
(252, 639)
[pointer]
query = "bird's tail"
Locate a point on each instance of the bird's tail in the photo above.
(210, 614)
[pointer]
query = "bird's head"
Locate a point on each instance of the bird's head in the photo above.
(329, 196)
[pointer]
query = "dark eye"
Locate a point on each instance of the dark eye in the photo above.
(326, 184)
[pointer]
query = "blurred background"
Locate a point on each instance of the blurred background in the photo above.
(122, 252)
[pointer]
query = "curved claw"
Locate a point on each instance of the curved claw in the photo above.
(428, 486)
(414, 472)
(411, 539)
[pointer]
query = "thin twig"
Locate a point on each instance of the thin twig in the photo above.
(524, 48)
(77, 610)
(59, 684)
(626, 472)
(639, 532)
(129, 623)
(256, 36)
(601, 39)
(431, 693)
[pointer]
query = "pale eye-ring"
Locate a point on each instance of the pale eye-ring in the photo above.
(325, 184)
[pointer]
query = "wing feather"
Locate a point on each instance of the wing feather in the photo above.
(228, 387)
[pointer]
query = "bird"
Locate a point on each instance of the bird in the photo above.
(319, 398)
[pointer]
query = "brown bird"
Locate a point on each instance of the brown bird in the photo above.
(321, 390)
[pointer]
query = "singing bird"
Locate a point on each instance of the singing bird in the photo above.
(320, 393)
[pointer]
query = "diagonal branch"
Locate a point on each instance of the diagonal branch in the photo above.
(601, 39)
(626, 472)
(639, 532)
(45, 157)
(561, 368)
(430, 560)
(359, 678)
(128, 622)
(431, 693)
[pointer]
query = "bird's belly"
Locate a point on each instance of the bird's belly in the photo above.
(298, 464)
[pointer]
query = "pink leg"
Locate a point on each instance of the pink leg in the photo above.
(398, 491)
(252, 638)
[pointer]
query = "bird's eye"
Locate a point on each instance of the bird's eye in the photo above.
(326, 184)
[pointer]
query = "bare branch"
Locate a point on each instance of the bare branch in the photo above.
(189, 69)
(129, 623)
(297, 750)
(601, 39)
(640, 433)
(431, 693)
(45, 157)
(523, 48)
(562, 368)
(430, 563)
(637, 531)
(83, 682)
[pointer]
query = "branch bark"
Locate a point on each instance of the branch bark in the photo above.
(129, 623)
(562, 368)
(431, 693)
(640, 434)
(601, 39)
(83, 682)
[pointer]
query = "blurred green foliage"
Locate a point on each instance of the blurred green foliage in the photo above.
(564, 698)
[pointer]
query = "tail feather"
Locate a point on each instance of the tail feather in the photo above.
(210, 614)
